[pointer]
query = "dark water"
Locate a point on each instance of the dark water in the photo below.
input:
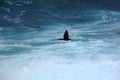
(44, 12)
(29, 33)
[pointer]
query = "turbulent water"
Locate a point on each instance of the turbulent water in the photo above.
(30, 49)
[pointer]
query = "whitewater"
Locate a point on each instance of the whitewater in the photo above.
(30, 49)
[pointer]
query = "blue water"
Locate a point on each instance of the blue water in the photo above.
(30, 49)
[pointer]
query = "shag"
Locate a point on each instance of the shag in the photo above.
(65, 36)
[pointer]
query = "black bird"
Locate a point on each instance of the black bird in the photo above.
(65, 36)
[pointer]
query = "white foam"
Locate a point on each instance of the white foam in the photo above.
(1, 29)
(64, 61)
(9, 2)
(27, 1)
(50, 70)
(15, 20)
(6, 9)
(9, 46)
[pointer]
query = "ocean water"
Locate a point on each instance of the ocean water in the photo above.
(30, 49)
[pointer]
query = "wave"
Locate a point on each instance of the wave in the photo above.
(34, 13)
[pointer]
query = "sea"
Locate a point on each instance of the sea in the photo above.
(30, 48)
